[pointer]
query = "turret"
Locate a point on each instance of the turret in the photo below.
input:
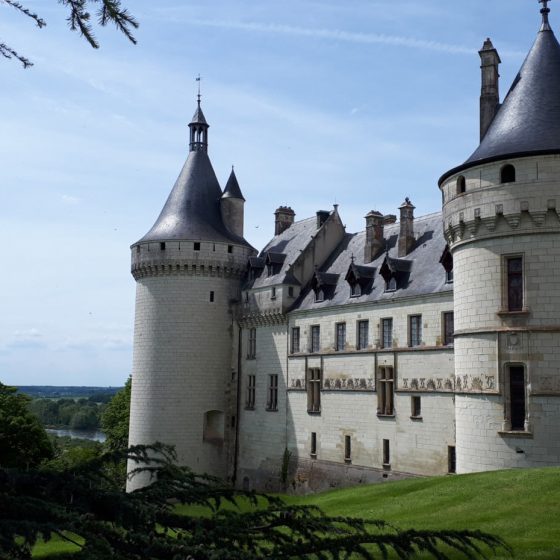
(490, 93)
(232, 206)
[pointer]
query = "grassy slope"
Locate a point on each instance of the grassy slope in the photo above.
(521, 506)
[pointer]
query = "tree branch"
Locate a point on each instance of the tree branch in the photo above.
(112, 11)
(7, 52)
(38, 20)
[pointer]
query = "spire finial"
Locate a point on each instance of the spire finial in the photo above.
(545, 11)
(198, 78)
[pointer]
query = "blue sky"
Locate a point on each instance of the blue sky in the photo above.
(316, 102)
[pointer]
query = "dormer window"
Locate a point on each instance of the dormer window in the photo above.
(395, 272)
(319, 295)
(355, 290)
(391, 284)
(507, 174)
(446, 261)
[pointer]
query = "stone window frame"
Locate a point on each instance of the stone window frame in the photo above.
(386, 460)
(508, 174)
(461, 185)
(315, 339)
(507, 305)
(340, 336)
(252, 344)
(507, 428)
(295, 340)
(313, 385)
(414, 331)
(385, 387)
(313, 445)
(250, 391)
(347, 448)
(446, 337)
(272, 393)
(416, 407)
(362, 334)
(383, 339)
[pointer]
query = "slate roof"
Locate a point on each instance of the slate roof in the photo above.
(192, 210)
(198, 117)
(528, 121)
(290, 243)
(426, 275)
(232, 189)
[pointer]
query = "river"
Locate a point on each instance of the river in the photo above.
(95, 435)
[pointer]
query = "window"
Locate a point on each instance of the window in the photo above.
(137, 249)
(295, 340)
(230, 248)
(313, 452)
(211, 297)
(291, 291)
(252, 350)
(386, 333)
(355, 290)
(214, 427)
(197, 246)
(386, 453)
(391, 284)
(514, 283)
(348, 449)
(340, 337)
(272, 400)
(385, 387)
(315, 338)
(449, 276)
(314, 390)
(416, 407)
(461, 185)
(415, 330)
(319, 295)
(448, 328)
(517, 398)
(451, 460)
(250, 396)
(507, 174)
(162, 245)
(273, 293)
(363, 335)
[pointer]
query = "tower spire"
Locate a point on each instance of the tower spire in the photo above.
(199, 127)
(545, 10)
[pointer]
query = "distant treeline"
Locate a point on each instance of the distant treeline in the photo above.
(100, 394)
(78, 414)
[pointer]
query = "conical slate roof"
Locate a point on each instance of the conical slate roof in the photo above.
(232, 189)
(198, 117)
(528, 121)
(192, 210)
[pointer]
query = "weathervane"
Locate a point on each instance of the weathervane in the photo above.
(198, 78)
(545, 11)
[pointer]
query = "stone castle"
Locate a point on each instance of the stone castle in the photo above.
(419, 346)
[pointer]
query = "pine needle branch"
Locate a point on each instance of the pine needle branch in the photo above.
(111, 11)
(8, 52)
(38, 20)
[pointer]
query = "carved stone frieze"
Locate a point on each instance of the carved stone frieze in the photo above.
(425, 384)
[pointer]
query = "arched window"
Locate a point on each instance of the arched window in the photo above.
(507, 175)
(461, 184)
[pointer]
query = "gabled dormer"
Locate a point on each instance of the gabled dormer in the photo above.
(446, 261)
(360, 279)
(395, 272)
(323, 285)
(274, 262)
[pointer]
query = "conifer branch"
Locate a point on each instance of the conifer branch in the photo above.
(38, 20)
(8, 52)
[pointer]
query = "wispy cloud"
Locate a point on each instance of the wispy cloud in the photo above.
(70, 200)
(336, 35)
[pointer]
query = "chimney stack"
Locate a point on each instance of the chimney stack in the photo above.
(322, 216)
(490, 93)
(406, 236)
(284, 218)
(374, 236)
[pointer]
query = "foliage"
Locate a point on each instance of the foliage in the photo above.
(79, 19)
(81, 414)
(115, 419)
(23, 441)
(70, 453)
(94, 394)
(83, 506)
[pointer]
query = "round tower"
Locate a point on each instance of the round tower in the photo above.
(501, 219)
(187, 270)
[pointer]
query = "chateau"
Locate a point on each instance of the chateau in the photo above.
(418, 346)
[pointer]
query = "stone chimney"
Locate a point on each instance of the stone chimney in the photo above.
(389, 219)
(374, 236)
(406, 235)
(490, 93)
(322, 216)
(284, 218)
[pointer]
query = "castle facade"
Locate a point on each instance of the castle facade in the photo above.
(418, 346)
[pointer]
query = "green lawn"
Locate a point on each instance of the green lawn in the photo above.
(521, 506)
